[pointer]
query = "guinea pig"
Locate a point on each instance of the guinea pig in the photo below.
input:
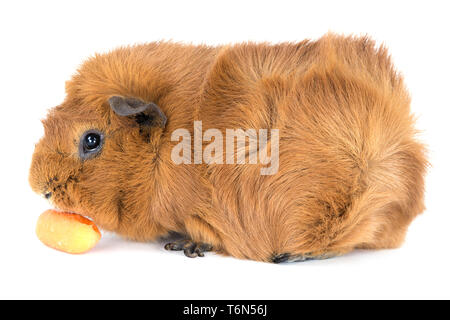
(138, 146)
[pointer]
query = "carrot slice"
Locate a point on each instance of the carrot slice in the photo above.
(68, 232)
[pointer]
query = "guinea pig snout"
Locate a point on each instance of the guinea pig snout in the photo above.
(52, 188)
(49, 187)
(51, 175)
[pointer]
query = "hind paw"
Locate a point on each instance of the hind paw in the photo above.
(288, 257)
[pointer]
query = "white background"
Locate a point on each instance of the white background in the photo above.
(43, 42)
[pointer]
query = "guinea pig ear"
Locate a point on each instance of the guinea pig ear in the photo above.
(146, 114)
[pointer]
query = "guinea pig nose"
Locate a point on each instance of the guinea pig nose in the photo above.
(47, 195)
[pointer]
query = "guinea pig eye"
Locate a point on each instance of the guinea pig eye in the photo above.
(90, 144)
(91, 141)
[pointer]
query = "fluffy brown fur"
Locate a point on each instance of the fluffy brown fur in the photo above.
(351, 173)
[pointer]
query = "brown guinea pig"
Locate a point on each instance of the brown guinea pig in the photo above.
(144, 144)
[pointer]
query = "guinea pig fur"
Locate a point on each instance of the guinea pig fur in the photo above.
(350, 170)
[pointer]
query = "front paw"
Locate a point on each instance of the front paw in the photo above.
(190, 248)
